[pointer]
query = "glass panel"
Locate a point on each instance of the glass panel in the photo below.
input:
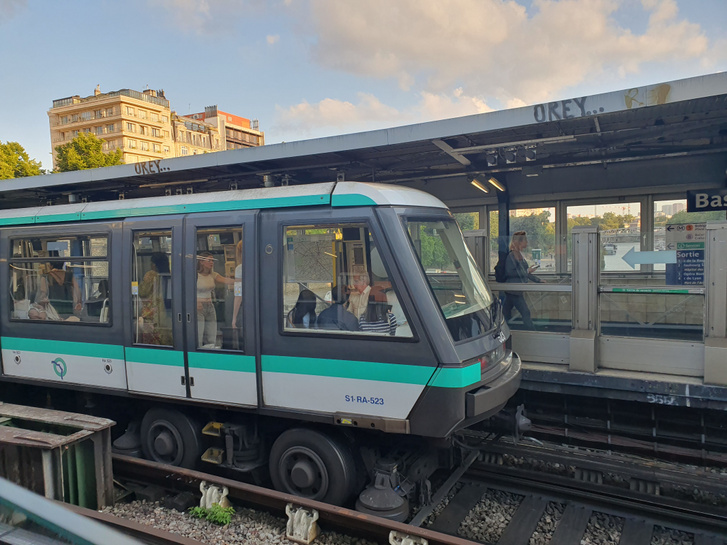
(536, 310)
(494, 238)
(654, 315)
(688, 242)
(620, 233)
(44, 285)
(468, 221)
(335, 280)
(462, 294)
(539, 226)
(151, 288)
(219, 288)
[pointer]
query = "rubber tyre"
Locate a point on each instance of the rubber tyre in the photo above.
(170, 437)
(323, 462)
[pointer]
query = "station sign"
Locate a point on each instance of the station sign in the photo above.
(688, 240)
(707, 200)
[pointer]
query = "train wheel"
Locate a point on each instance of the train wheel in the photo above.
(170, 437)
(313, 465)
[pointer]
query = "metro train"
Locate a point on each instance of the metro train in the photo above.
(321, 333)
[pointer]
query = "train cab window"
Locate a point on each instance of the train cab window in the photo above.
(218, 288)
(151, 288)
(456, 283)
(335, 281)
(61, 279)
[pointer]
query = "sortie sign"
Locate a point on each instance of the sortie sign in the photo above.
(709, 199)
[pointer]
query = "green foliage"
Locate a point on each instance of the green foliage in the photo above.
(83, 152)
(216, 514)
(696, 217)
(15, 162)
(433, 255)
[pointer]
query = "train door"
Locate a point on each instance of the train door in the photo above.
(155, 359)
(219, 305)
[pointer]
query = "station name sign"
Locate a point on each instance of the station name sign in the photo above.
(709, 199)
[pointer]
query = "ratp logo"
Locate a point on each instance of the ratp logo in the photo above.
(59, 367)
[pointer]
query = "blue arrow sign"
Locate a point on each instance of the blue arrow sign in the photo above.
(649, 258)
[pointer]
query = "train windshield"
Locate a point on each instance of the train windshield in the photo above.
(463, 296)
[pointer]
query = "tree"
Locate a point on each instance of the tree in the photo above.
(84, 152)
(15, 162)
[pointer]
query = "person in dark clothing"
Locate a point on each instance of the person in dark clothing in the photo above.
(303, 314)
(59, 287)
(336, 316)
(518, 272)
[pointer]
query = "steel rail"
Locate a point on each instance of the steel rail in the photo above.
(345, 520)
(667, 511)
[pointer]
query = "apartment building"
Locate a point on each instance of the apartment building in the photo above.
(238, 132)
(144, 127)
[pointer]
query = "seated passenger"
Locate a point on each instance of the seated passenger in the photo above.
(336, 316)
(303, 314)
(378, 317)
(360, 289)
(39, 311)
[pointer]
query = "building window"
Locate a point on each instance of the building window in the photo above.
(130, 127)
(74, 133)
(109, 112)
(143, 130)
(132, 144)
(166, 150)
(97, 114)
(64, 120)
(142, 114)
(74, 118)
(155, 117)
(110, 128)
(166, 134)
(184, 150)
(98, 130)
(156, 132)
(165, 119)
(129, 110)
(145, 146)
(157, 148)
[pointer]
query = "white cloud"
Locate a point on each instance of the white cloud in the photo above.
(497, 48)
(330, 116)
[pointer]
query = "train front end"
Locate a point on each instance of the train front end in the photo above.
(477, 373)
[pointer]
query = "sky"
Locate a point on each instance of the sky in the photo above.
(312, 68)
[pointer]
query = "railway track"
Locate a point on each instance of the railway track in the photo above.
(544, 508)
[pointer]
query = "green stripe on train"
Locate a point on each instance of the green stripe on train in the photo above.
(155, 356)
(447, 377)
(221, 362)
(251, 204)
(91, 350)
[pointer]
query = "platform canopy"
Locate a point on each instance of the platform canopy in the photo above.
(667, 138)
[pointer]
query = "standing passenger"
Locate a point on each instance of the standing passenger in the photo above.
(206, 315)
(517, 271)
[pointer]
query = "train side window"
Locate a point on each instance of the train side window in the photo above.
(334, 280)
(152, 288)
(60, 278)
(218, 288)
